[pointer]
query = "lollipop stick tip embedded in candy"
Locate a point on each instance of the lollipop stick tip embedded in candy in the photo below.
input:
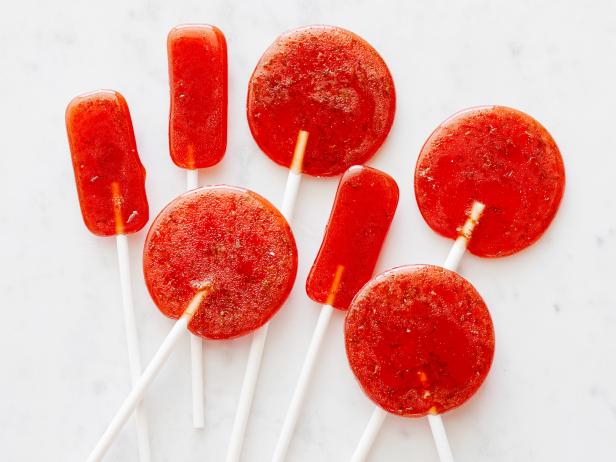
(335, 284)
(149, 374)
(466, 233)
(298, 153)
(297, 400)
(117, 207)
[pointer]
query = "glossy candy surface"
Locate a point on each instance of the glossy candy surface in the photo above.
(419, 340)
(230, 240)
(363, 209)
(498, 156)
(109, 175)
(329, 82)
(198, 85)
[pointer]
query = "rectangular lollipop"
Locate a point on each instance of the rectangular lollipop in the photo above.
(198, 84)
(109, 175)
(111, 188)
(363, 209)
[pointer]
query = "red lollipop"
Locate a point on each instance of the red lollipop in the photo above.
(221, 260)
(110, 183)
(419, 340)
(329, 82)
(231, 240)
(500, 157)
(198, 87)
(363, 209)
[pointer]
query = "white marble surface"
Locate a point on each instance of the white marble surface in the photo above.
(551, 394)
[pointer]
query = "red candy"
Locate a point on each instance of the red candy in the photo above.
(364, 207)
(419, 340)
(109, 175)
(198, 83)
(231, 240)
(498, 156)
(329, 82)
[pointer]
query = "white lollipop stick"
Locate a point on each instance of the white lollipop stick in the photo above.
(134, 358)
(367, 439)
(258, 340)
(461, 243)
(141, 386)
(436, 422)
(196, 343)
(299, 394)
(192, 179)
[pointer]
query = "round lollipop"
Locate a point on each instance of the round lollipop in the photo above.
(197, 55)
(501, 171)
(221, 260)
(110, 183)
(419, 339)
(500, 157)
(328, 83)
(230, 240)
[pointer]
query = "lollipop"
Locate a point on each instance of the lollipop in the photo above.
(361, 215)
(503, 171)
(331, 84)
(111, 188)
(419, 340)
(221, 260)
(198, 86)
(197, 129)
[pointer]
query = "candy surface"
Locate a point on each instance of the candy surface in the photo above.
(500, 157)
(109, 175)
(198, 85)
(230, 240)
(329, 82)
(419, 340)
(363, 209)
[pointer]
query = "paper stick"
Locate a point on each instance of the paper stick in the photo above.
(150, 372)
(259, 337)
(134, 358)
(196, 343)
(299, 394)
(436, 422)
(130, 325)
(367, 439)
